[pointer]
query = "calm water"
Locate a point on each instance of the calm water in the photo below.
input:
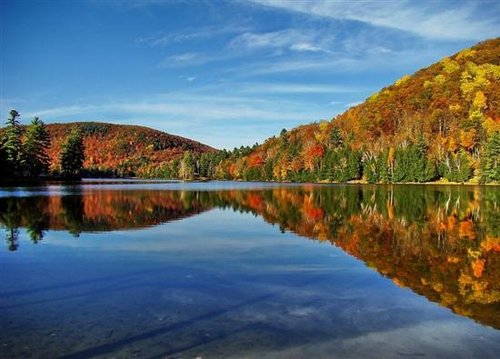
(235, 270)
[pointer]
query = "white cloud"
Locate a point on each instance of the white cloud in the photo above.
(64, 111)
(304, 46)
(241, 119)
(365, 59)
(300, 40)
(458, 21)
(188, 59)
(162, 38)
(352, 104)
(290, 88)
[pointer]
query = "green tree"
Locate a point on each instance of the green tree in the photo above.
(370, 169)
(457, 167)
(12, 146)
(4, 165)
(72, 154)
(36, 144)
(412, 164)
(187, 166)
(382, 167)
(336, 137)
(490, 160)
(354, 165)
(463, 166)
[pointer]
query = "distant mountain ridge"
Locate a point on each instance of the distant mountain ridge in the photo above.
(441, 123)
(123, 149)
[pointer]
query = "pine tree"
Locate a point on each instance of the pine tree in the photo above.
(401, 164)
(36, 144)
(4, 165)
(490, 161)
(370, 170)
(11, 145)
(72, 154)
(382, 167)
(464, 169)
(420, 160)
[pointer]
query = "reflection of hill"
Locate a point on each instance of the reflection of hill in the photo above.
(443, 243)
(98, 211)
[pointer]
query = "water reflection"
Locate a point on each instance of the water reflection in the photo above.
(441, 242)
(95, 211)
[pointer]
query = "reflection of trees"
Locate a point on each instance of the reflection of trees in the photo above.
(12, 239)
(73, 213)
(442, 242)
(96, 211)
(10, 217)
(28, 212)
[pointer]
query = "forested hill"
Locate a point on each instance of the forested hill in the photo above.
(443, 122)
(122, 149)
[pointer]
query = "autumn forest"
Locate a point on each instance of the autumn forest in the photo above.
(440, 124)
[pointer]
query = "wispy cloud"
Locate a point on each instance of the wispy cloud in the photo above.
(189, 59)
(300, 40)
(372, 59)
(201, 107)
(352, 104)
(272, 44)
(457, 20)
(307, 47)
(162, 38)
(299, 88)
(243, 120)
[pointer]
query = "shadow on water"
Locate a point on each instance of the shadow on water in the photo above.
(282, 337)
(110, 347)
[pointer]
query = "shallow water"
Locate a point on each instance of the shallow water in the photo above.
(155, 270)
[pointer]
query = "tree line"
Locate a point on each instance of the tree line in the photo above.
(24, 152)
(292, 157)
(319, 152)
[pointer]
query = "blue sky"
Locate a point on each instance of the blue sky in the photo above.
(226, 73)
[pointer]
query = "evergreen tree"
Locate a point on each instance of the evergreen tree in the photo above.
(72, 154)
(490, 161)
(420, 172)
(4, 165)
(11, 145)
(412, 165)
(370, 169)
(400, 165)
(36, 144)
(336, 137)
(463, 167)
(383, 167)
(353, 164)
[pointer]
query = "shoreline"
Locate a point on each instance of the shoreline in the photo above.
(18, 182)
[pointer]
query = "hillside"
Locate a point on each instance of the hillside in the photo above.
(123, 149)
(441, 123)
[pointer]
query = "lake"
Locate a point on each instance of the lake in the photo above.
(152, 269)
